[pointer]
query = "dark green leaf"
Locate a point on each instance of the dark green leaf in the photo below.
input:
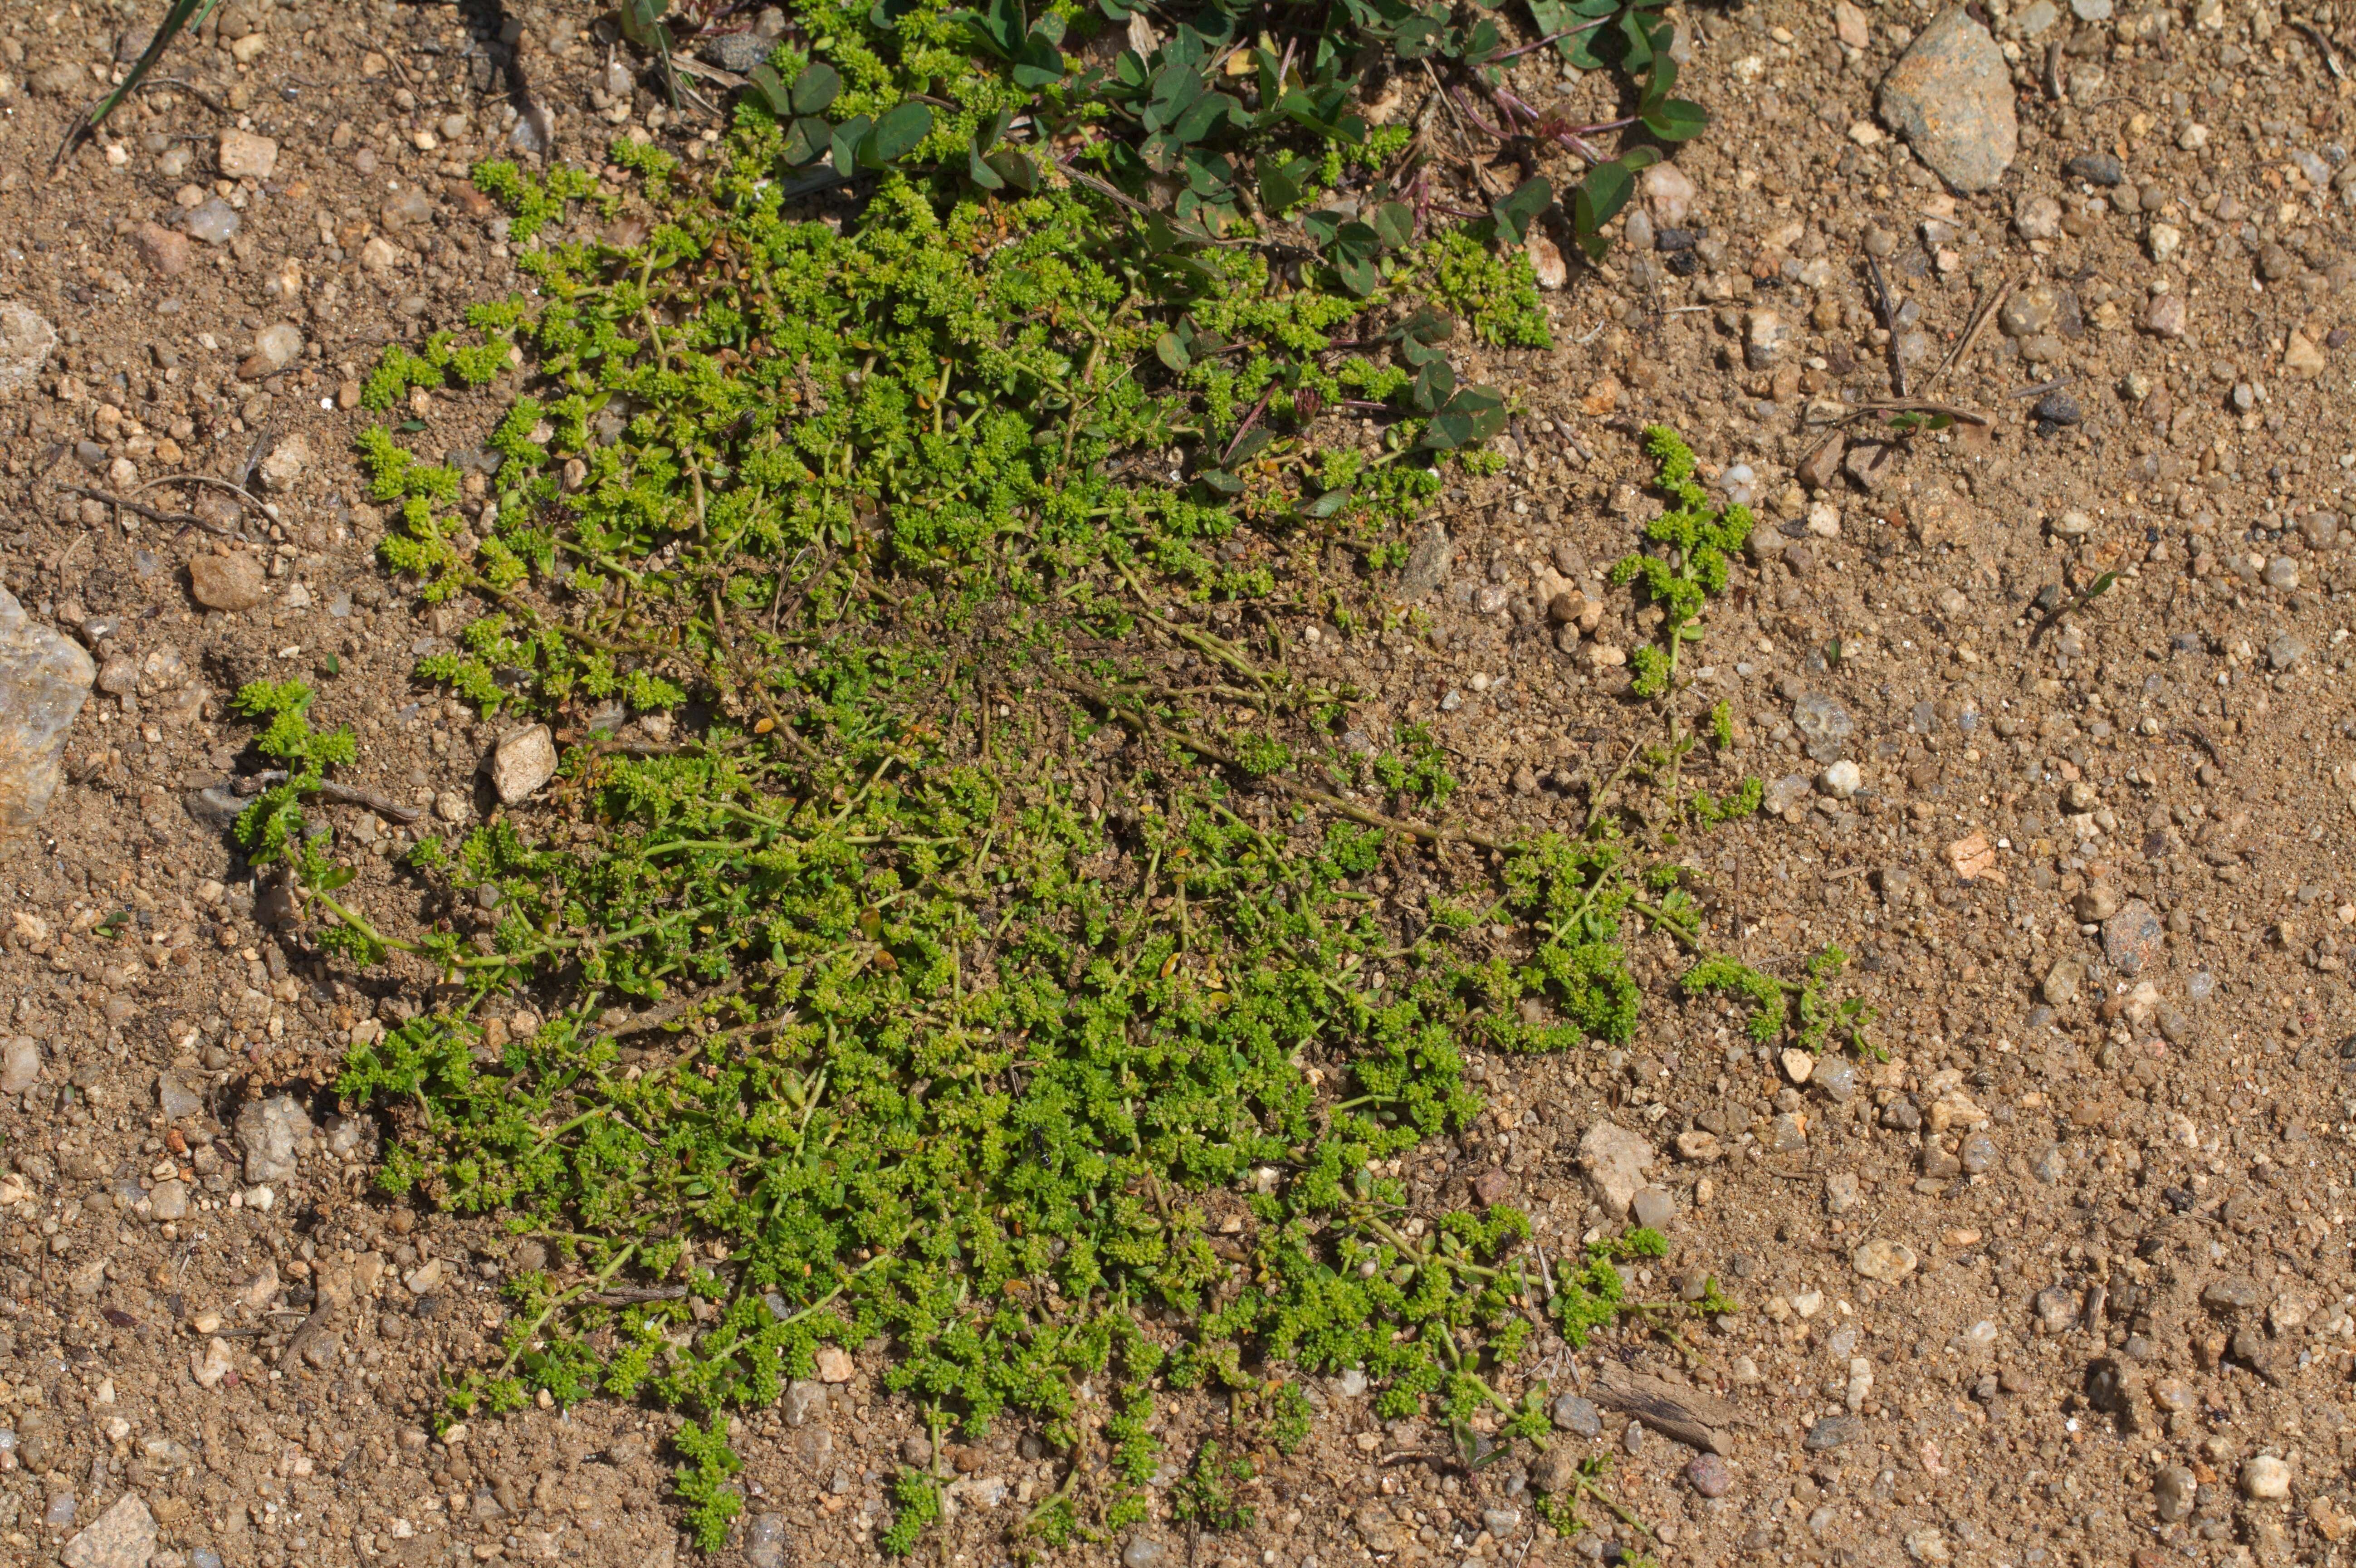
(1358, 275)
(1427, 325)
(896, 135)
(1204, 115)
(815, 88)
(1602, 195)
(1221, 481)
(409, 427)
(1171, 349)
(640, 19)
(1250, 445)
(1515, 213)
(775, 94)
(844, 149)
(1038, 63)
(1432, 384)
(1678, 119)
(1015, 168)
(1280, 182)
(1393, 223)
(1657, 83)
(1325, 506)
(806, 141)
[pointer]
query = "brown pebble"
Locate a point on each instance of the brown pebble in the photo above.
(164, 250)
(228, 582)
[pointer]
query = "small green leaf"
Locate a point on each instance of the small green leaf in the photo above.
(1514, 213)
(1014, 168)
(844, 149)
(1676, 119)
(1325, 506)
(1222, 482)
(1250, 445)
(1393, 224)
(896, 135)
(806, 141)
(815, 88)
(775, 94)
(1038, 63)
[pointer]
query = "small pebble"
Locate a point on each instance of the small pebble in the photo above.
(2058, 407)
(1578, 1416)
(2095, 168)
(1709, 1474)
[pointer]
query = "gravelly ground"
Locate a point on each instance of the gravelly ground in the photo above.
(2122, 1186)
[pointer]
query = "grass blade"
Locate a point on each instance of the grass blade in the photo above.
(183, 15)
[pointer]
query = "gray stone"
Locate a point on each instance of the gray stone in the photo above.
(271, 1131)
(44, 680)
(2058, 407)
(2057, 1309)
(2050, 1164)
(26, 341)
(1823, 724)
(2060, 986)
(1790, 790)
(275, 347)
(1143, 1552)
(803, 1395)
(1836, 1077)
(121, 1537)
(1615, 1161)
(175, 1098)
(2095, 168)
(20, 1064)
(1653, 1208)
(2173, 1491)
(228, 582)
(406, 207)
(2132, 938)
(215, 807)
(1833, 1432)
(739, 52)
(216, 222)
(764, 1541)
(1787, 1134)
(2284, 651)
(1709, 1474)
(2233, 1293)
(1428, 563)
(1950, 97)
(1978, 1154)
(1578, 1416)
(2282, 573)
